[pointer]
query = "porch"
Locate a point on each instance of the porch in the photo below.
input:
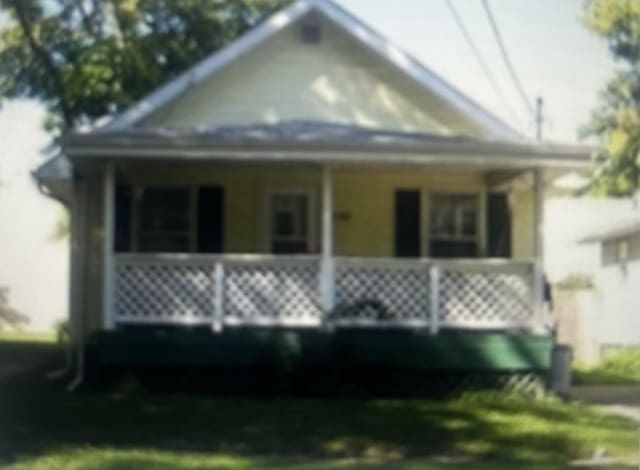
(319, 246)
(287, 291)
(277, 227)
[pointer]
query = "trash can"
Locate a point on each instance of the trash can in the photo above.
(561, 357)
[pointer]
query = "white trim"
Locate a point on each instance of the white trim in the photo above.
(218, 299)
(482, 227)
(538, 227)
(551, 160)
(108, 258)
(434, 307)
(354, 27)
(327, 281)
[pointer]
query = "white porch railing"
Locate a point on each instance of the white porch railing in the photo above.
(271, 290)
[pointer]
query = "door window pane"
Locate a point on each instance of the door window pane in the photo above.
(290, 223)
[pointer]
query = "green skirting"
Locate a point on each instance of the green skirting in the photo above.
(293, 349)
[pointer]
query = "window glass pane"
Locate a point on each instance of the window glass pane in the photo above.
(165, 209)
(302, 215)
(289, 247)
(453, 216)
(468, 221)
(164, 220)
(453, 249)
(289, 223)
(442, 220)
(290, 212)
(284, 223)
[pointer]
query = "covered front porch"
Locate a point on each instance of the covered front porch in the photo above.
(332, 227)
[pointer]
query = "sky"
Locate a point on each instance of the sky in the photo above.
(554, 55)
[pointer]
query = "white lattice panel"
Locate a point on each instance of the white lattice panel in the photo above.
(272, 293)
(164, 292)
(477, 298)
(384, 292)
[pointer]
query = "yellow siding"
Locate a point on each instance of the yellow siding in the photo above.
(522, 232)
(335, 81)
(363, 201)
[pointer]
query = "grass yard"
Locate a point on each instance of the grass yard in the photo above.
(44, 427)
(27, 337)
(618, 367)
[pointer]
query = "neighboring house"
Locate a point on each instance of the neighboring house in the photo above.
(567, 221)
(584, 285)
(618, 282)
(313, 193)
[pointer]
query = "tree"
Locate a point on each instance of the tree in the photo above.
(9, 316)
(617, 119)
(87, 58)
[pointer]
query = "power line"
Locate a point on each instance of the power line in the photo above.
(505, 57)
(483, 64)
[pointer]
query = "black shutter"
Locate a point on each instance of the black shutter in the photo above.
(210, 219)
(407, 223)
(498, 226)
(122, 219)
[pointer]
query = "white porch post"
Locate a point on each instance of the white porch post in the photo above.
(108, 263)
(434, 307)
(538, 226)
(327, 262)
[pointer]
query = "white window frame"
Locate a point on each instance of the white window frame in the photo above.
(312, 215)
(480, 237)
(138, 190)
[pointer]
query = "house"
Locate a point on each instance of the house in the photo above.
(576, 270)
(616, 321)
(311, 192)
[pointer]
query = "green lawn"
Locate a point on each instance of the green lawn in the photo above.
(43, 427)
(618, 367)
(27, 337)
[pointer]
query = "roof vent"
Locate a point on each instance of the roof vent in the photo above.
(311, 32)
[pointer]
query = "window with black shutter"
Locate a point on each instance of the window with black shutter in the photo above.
(169, 219)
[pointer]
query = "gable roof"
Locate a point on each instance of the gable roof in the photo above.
(358, 30)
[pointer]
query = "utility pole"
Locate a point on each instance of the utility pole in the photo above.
(539, 118)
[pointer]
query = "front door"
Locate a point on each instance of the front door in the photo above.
(290, 221)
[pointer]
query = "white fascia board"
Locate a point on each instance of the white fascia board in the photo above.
(208, 66)
(319, 157)
(416, 70)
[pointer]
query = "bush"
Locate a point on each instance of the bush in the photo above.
(576, 281)
(10, 317)
(623, 361)
(617, 367)
(61, 327)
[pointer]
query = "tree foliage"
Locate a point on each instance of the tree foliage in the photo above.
(87, 58)
(10, 316)
(617, 118)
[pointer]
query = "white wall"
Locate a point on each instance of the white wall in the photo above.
(567, 221)
(620, 292)
(32, 265)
